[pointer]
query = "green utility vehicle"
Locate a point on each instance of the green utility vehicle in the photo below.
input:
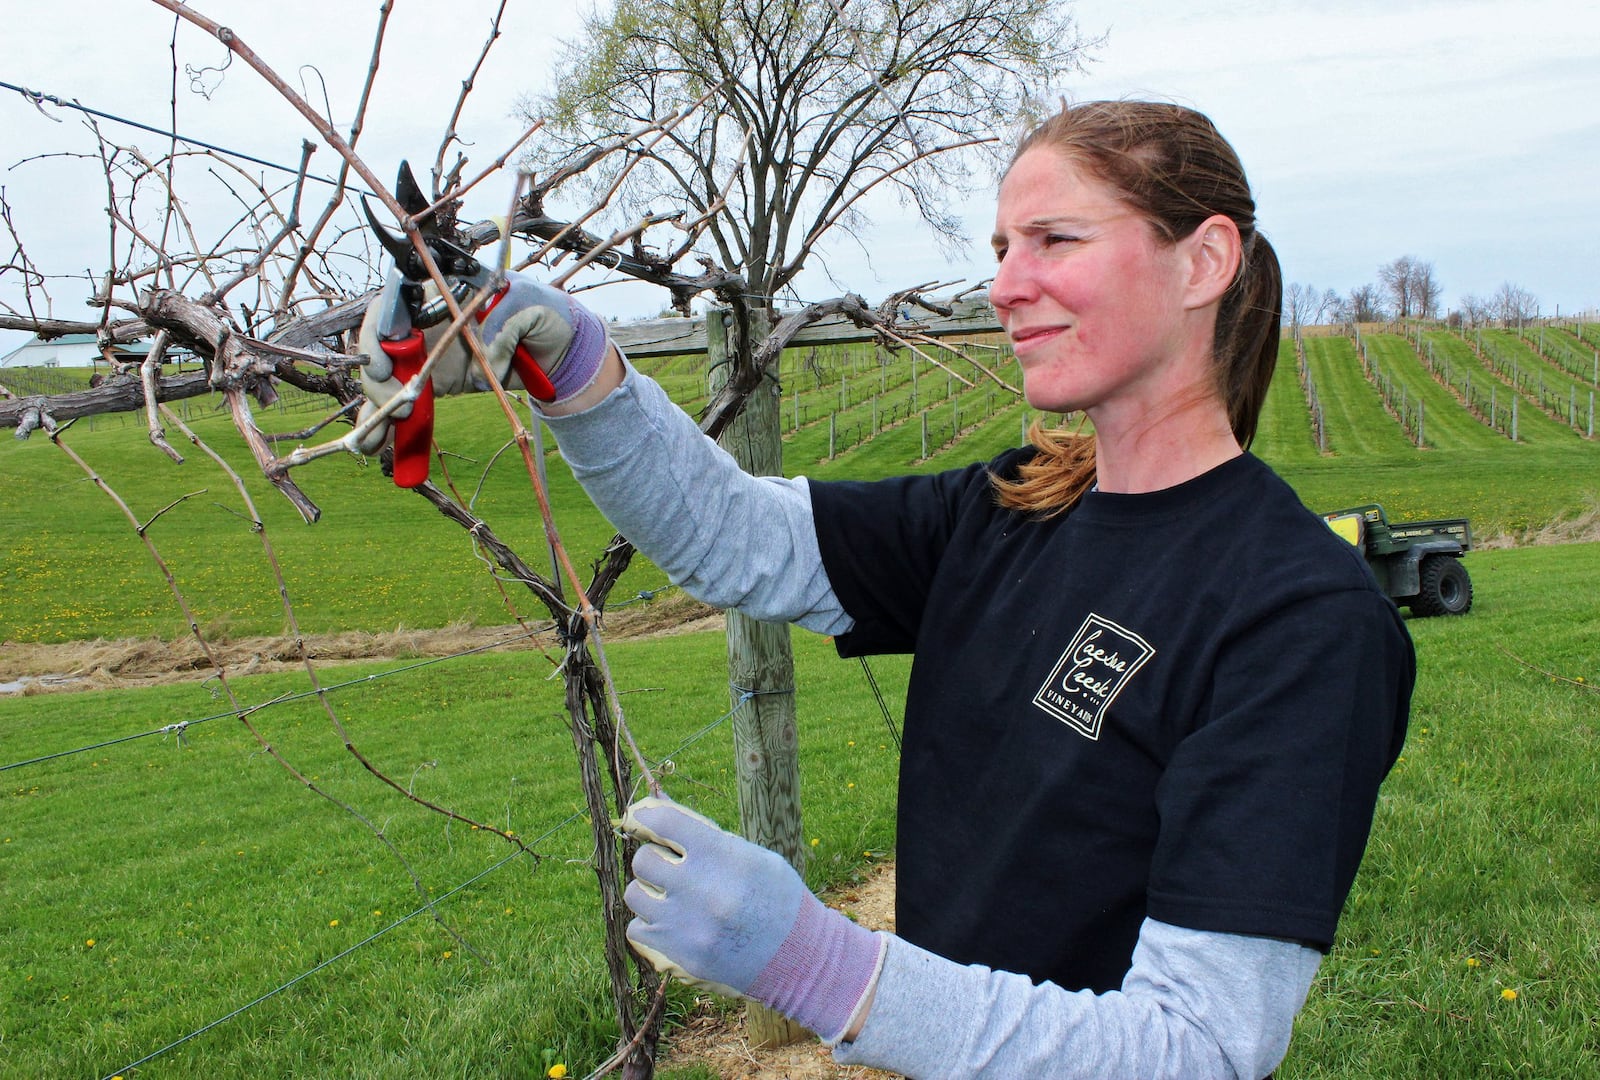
(1417, 563)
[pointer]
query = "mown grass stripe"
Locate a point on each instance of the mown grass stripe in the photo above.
(1355, 417)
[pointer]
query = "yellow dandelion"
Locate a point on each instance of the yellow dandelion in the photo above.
(333, 922)
(815, 841)
(508, 911)
(89, 944)
(556, 1071)
(849, 785)
(377, 911)
(1508, 994)
(1473, 961)
(447, 954)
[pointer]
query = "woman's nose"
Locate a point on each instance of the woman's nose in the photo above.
(1011, 284)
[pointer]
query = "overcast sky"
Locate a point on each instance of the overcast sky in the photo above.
(1463, 133)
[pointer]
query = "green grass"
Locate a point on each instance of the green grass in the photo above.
(1356, 422)
(72, 568)
(1446, 424)
(1284, 431)
(1483, 874)
(207, 876)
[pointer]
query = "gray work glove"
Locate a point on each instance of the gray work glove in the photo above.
(723, 913)
(559, 336)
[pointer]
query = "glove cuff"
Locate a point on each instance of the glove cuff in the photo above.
(580, 364)
(822, 972)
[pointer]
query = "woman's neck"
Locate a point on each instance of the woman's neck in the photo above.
(1151, 456)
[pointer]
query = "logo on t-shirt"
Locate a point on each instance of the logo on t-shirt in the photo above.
(1091, 673)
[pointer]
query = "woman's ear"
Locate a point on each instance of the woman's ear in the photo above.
(1214, 259)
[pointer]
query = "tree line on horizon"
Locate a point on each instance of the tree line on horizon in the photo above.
(1407, 288)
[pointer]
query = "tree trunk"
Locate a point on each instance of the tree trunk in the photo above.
(760, 659)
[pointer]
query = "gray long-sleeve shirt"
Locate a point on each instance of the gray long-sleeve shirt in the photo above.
(1194, 1004)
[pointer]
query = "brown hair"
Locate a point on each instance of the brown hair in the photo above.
(1171, 165)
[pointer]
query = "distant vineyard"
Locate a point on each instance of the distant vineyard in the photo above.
(1449, 388)
(854, 410)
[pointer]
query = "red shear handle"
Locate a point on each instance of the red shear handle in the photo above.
(527, 368)
(413, 436)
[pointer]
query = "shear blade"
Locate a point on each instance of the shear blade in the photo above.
(408, 193)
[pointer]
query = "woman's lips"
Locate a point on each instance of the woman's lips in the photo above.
(1028, 338)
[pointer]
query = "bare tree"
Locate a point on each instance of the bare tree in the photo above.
(1428, 292)
(1475, 310)
(1361, 304)
(1297, 301)
(1326, 307)
(1410, 287)
(1395, 279)
(1513, 305)
(1306, 305)
(813, 107)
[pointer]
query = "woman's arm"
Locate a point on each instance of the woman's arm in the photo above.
(728, 538)
(1195, 1005)
(732, 916)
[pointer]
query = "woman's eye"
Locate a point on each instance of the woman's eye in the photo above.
(1057, 239)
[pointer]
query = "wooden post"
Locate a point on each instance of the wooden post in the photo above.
(760, 664)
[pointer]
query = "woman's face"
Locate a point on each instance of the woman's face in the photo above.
(1094, 301)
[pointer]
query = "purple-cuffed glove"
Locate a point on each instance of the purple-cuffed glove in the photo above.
(564, 338)
(718, 911)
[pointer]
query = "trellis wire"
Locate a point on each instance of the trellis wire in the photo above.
(576, 815)
(177, 727)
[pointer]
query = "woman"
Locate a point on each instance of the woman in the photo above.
(1152, 698)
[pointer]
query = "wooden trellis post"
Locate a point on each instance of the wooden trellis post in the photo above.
(766, 745)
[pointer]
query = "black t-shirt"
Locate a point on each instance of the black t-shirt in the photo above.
(1177, 704)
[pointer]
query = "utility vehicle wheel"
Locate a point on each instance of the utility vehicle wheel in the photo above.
(1446, 588)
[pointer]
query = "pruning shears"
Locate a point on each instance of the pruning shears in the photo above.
(404, 312)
